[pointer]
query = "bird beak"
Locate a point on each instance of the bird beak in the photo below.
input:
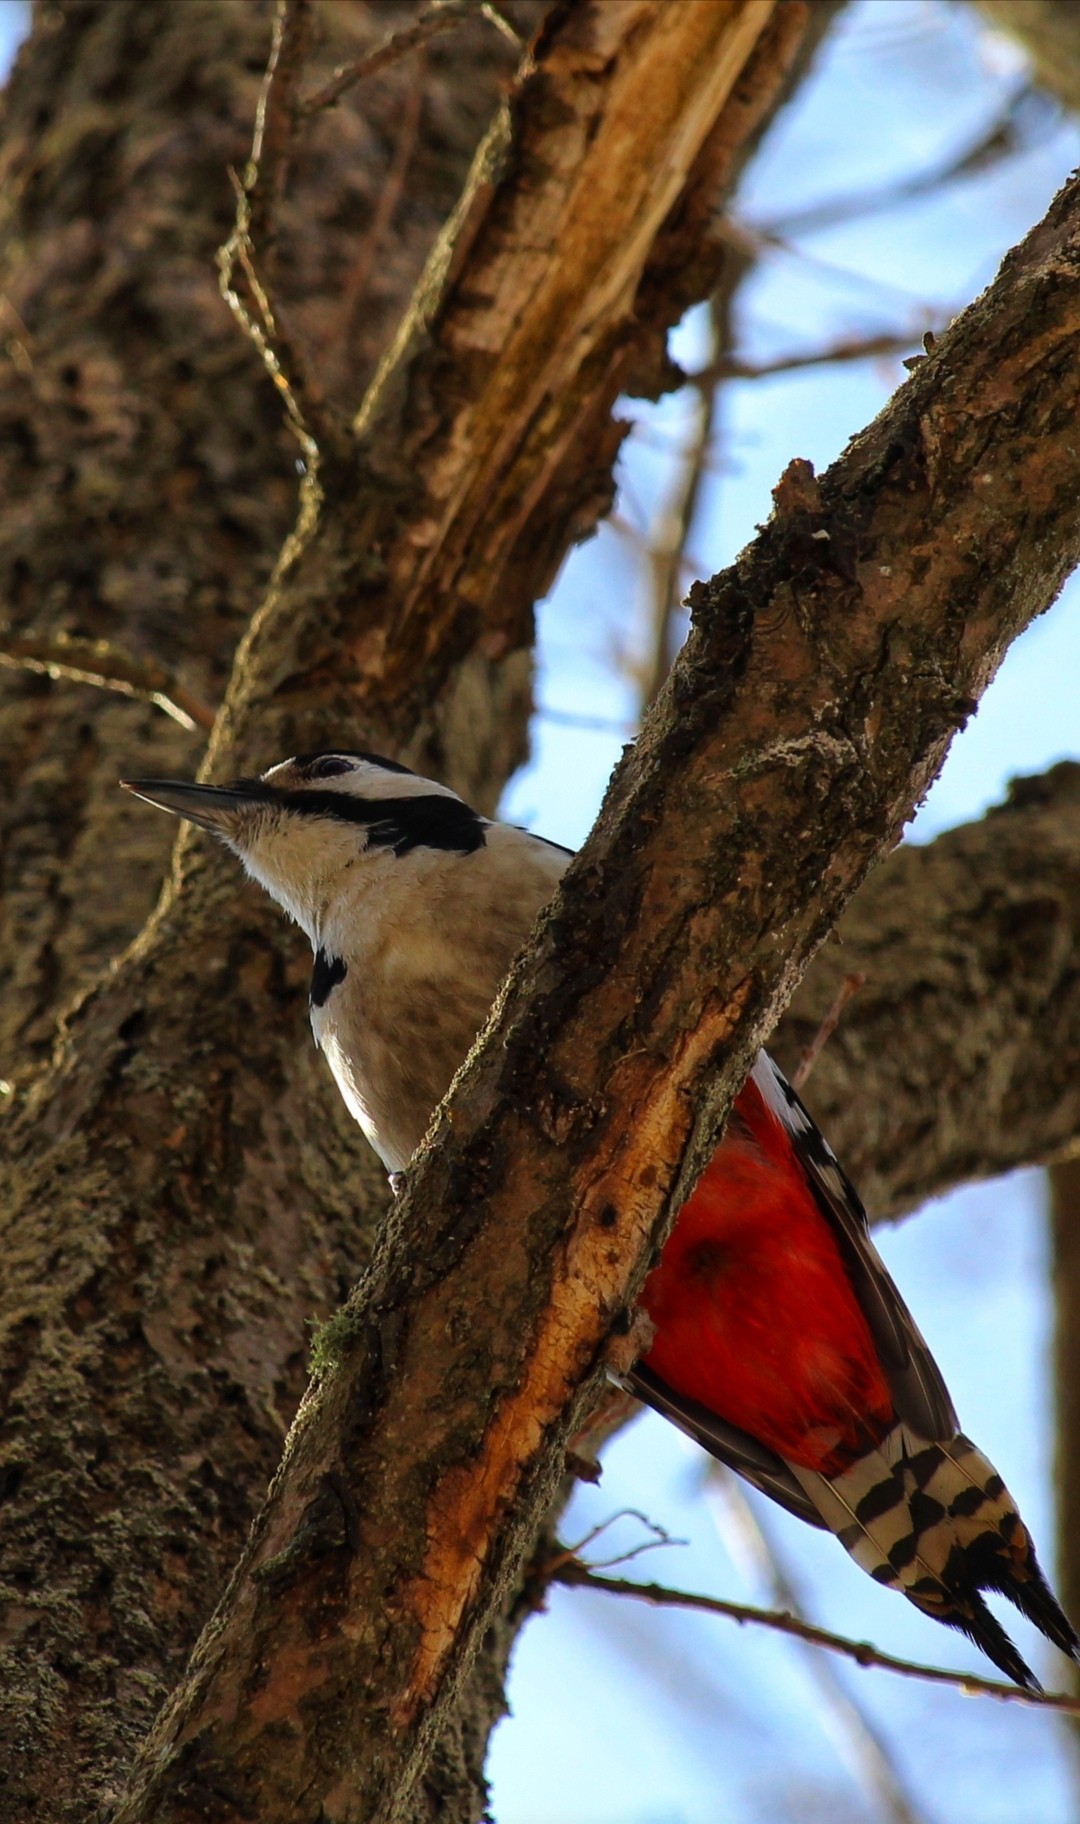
(212, 807)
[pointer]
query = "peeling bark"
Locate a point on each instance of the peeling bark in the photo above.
(822, 680)
(486, 442)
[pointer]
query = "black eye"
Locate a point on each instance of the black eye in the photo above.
(328, 767)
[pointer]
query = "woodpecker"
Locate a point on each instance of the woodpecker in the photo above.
(779, 1340)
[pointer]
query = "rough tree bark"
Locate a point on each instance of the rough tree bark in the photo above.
(150, 481)
(958, 1058)
(129, 392)
(172, 1212)
(811, 706)
(147, 476)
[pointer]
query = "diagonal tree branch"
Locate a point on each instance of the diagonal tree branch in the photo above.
(429, 23)
(581, 1576)
(957, 1057)
(96, 662)
(652, 106)
(811, 706)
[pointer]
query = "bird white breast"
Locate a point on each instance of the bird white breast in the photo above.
(426, 946)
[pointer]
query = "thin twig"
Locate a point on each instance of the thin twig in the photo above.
(571, 718)
(969, 1683)
(501, 23)
(667, 551)
(747, 238)
(857, 1738)
(673, 522)
(851, 348)
(849, 986)
(276, 116)
(310, 421)
(435, 19)
(237, 251)
(96, 662)
(571, 1554)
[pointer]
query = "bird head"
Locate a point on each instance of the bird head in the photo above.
(310, 823)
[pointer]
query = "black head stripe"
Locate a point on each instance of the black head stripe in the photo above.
(428, 821)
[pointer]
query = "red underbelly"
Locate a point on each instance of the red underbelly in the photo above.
(755, 1315)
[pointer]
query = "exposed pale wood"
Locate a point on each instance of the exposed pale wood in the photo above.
(631, 114)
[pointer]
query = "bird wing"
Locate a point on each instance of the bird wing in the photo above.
(755, 1462)
(921, 1396)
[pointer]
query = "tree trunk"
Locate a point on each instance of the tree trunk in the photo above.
(148, 476)
(173, 1212)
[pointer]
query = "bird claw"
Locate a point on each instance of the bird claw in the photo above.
(398, 1182)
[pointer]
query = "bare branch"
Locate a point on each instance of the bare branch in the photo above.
(276, 115)
(306, 407)
(96, 662)
(502, 24)
(389, 198)
(970, 1684)
(666, 553)
(572, 718)
(571, 1554)
(443, 16)
(850, 348)
(866, 1747)
(746, 237)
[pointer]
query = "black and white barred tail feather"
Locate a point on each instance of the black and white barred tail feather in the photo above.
(936, 1522)
(923, 1511)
